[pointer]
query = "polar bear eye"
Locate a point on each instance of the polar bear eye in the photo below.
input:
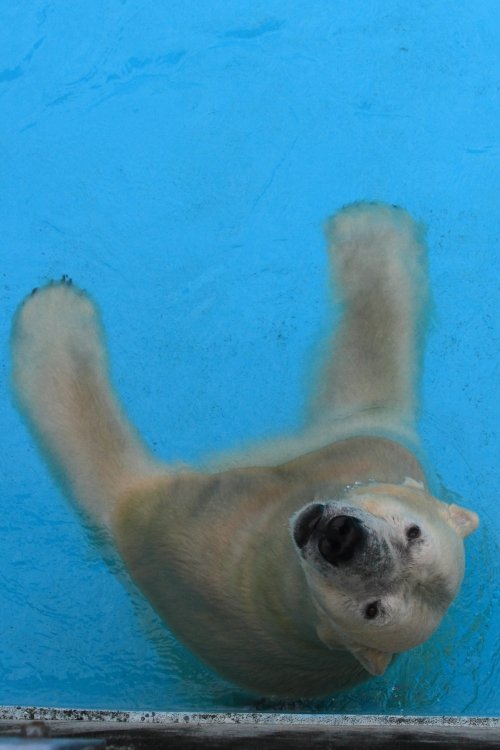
(372, 610)
(413, 532)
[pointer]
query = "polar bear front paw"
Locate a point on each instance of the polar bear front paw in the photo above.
(55, 325)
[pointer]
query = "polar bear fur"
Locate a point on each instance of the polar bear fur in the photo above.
(306, 572)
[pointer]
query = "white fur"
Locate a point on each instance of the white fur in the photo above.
(60, 374)
(213, 551)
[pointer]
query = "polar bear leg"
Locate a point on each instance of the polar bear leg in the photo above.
(61, 384)
(379, 268)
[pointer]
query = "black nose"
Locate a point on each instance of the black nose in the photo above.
(341, 539)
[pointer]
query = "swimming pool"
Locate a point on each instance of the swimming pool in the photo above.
(179, 162)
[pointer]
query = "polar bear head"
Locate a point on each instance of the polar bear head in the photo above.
(383, 563)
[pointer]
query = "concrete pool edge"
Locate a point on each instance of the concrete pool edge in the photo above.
(213, 718)
(151, 730)
(59, 729)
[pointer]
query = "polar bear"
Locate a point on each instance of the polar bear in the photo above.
(306, 572)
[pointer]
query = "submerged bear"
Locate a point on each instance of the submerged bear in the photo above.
(304, 573)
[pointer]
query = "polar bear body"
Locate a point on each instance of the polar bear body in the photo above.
(229, 558)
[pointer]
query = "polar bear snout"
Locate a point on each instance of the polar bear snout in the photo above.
(338, 539)
(343, 537)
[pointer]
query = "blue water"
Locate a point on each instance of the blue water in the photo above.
(178, 160)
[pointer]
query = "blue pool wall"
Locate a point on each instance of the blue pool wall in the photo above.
(178, 161)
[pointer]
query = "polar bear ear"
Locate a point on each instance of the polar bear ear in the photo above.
(409, 482)
(462, 520)
(375, 662)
